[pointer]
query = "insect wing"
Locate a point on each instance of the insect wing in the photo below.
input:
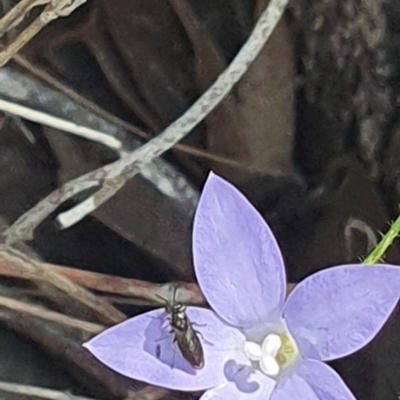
(190, 346)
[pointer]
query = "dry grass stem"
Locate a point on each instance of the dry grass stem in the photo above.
(24, 308)
(135, 289)
(129, 165)
(32, 269)
(53, 9)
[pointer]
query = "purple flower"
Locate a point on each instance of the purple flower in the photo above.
(257, 345)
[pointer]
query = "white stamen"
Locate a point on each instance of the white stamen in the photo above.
(269, 349)
(265, 354)
(252, 351)
(269, 366)
(271, 345)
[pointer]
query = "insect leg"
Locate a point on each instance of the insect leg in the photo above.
(203, 338)
(199, 325)
(158, 318)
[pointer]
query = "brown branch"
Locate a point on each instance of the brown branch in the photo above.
(127, 301)
(134, 291)
(25, 309)
(148, 393)
(62, 336)
(35, 322)
(130, 164)
(67, 344)
(29, 268)
(188, 293)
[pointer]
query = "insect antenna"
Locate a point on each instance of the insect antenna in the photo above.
(167, 303)
(162, 298)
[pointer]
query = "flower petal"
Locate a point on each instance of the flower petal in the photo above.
(142, 349)
(256, 387)
(293, 387)
(313, 380)
(324, 381)
(339, 310)
(237, 260)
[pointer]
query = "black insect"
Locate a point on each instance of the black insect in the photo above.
(185, 336)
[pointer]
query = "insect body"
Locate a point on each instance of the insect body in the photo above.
(185, 336)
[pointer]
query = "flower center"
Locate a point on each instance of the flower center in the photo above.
(275, 353)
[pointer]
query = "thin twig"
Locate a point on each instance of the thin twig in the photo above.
(98, 136)
(187, 293)
(127, 301)
(53, 10)
(27, 90)
(148, 393)
(113, 119)
(68, 91)
(26, 319)
(57, 332)
(109, 188)
(60, 124)
(147, 292)
(16, 15)
(130, 164)
(34, 391)
(104, 311)
(67, 344)
(24, 308)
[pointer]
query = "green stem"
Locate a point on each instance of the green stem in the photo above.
(376, 255)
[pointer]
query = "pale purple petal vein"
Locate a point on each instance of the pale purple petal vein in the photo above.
(293, 387)
(237, 260)
(324, 381)
(339, 310)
